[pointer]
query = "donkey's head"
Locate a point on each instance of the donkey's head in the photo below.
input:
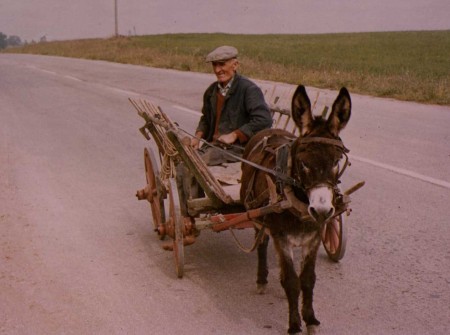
(317, 152)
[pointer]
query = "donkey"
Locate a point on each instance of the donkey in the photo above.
(314, 159)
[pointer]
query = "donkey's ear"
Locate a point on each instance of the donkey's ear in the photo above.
(301, 110)
(340, 113)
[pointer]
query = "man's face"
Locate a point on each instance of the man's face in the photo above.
(224, 70)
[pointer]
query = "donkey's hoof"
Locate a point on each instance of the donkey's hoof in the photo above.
(312, 321)
(261, 288)
(295, 330)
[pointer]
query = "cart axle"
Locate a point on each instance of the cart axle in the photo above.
(144, 194)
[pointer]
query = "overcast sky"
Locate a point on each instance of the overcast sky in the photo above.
(71, 19)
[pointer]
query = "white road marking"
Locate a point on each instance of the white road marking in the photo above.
(111, 88)
(46, 71)
(72, 78)
(119, 90)
(404, 172)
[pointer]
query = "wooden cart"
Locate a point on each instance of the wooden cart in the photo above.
(220, 209)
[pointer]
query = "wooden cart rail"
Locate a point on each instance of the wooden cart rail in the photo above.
(168, 136)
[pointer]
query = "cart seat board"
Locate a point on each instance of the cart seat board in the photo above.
(233, 191)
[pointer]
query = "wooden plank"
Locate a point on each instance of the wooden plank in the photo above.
(279, 98)
(200, 170)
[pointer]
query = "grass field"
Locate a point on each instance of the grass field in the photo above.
(412, 66)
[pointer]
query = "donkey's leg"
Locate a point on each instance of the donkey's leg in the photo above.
(263, 269)
(308, 281)
(289, 281)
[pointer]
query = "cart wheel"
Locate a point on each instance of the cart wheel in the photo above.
(334, 238)
(154, 188)
(176, 219)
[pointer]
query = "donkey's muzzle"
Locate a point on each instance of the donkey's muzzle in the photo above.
(321, 203)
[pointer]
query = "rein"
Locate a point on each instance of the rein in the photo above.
(283, 177)
(281, 158)
(277, 174)
(280, 175)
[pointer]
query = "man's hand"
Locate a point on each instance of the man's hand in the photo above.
(228, 138)
(195, 142)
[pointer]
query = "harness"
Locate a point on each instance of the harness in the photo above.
(285, 178)
(281, 153)
(331, 141)
(285, 184)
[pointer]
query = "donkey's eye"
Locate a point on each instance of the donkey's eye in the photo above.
(305, 168)
(336, 168)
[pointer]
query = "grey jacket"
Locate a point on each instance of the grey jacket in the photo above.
(244, 109)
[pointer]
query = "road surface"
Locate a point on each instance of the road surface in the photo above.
(77, 251)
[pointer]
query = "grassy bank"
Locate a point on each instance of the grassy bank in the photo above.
(412, 66)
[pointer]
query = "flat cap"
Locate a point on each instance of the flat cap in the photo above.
(224, 52)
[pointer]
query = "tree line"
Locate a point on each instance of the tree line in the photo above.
(6, 41)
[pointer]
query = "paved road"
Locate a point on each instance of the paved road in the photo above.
(78, 256)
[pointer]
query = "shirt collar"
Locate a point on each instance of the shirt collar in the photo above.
(224, 90)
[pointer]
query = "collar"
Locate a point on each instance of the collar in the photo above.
(224, 90)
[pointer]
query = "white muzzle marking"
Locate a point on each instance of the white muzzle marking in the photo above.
(321, 203)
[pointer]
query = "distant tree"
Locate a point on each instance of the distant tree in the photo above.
(43, 39)
(14, 41)
(3, 41)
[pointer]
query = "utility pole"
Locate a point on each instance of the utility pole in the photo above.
(116, 19)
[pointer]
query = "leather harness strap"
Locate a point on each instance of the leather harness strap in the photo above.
(324, 140)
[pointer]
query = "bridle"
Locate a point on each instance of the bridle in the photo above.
(331, 141)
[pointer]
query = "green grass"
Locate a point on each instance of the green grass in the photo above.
(412, 66)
